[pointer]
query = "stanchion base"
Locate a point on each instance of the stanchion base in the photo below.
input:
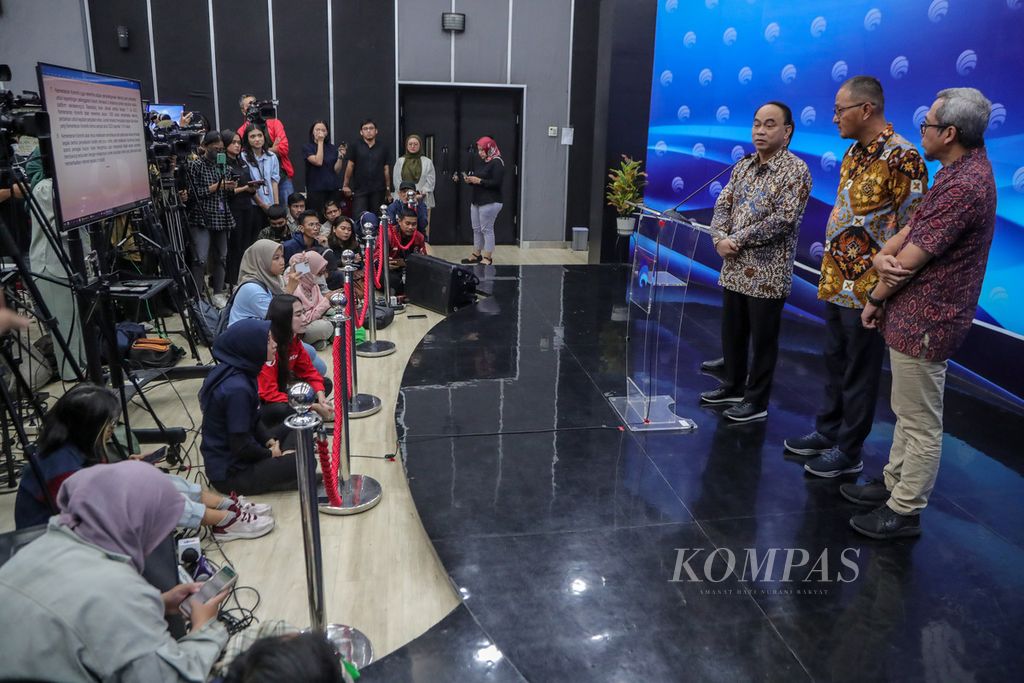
(398, 308)
(363, 405)
(350, 643)
(359, 493)
(374, 349)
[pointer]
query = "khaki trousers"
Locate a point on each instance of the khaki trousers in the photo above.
(917, 387)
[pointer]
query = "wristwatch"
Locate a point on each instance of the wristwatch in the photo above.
(875, 302)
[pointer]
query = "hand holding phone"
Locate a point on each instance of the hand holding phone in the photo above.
(156, 456)
(202, 601)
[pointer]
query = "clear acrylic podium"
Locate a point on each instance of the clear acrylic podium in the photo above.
(655, 299)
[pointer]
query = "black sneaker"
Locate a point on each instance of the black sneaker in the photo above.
(713, 367)
(882, 523)
(833, 463)
(872, 493)
(721, 395)
(814, 443)
(745, 412)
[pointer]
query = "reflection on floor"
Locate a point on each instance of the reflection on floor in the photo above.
(585, 553)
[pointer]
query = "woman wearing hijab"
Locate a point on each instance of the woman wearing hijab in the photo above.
(415, 168)
(485, 201)
(82, 609)
(314, 303)
(260, 280)
(240, 455)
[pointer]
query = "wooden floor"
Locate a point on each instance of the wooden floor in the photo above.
(381, 574)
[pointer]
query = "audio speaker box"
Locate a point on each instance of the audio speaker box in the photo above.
(440, 286)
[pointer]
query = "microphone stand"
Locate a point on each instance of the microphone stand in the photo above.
(674, 214)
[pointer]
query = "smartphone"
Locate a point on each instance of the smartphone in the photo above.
(156, 456)
(226, 577)
(254, 183)
(302, 268)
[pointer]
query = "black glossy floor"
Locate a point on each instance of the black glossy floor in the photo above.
(562, 532)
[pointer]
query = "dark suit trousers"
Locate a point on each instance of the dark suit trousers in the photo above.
(853, 362)
(750, 324)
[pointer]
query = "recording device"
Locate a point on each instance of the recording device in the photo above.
(21, 114)
(190, 556)
(302, 268)
(156, 456)
(259, 112)
(225, 578)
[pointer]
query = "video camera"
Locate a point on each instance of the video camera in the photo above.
(169, 146)
(259, 112)
(19, 115)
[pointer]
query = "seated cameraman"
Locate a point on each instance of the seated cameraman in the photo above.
(409, 198)
(277, 226)
(404, 241)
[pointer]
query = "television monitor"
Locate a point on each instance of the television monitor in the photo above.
(99, 143)
(173, 111)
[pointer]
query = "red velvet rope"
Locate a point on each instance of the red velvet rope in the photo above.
(348, 334)
(329, 467)
(380, 257)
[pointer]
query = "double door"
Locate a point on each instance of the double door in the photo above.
(450, 119)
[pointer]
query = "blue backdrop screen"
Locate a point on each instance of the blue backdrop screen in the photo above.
(716, 61)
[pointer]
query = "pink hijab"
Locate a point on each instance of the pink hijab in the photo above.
(314, 303)
(490, 148)
(129, 508)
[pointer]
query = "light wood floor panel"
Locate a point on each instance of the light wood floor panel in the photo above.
(381, 573)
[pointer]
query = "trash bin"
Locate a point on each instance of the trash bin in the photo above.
(579, 239)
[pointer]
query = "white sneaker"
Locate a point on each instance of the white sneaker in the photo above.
(252, 507)
(219, 300)
(244, 525)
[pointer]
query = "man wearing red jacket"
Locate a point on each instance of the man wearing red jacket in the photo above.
(278, 146)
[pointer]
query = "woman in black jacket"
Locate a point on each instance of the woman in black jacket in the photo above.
(485, 203)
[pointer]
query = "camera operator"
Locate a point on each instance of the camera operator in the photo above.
(210, 219)
(409, 198)
(257, 113)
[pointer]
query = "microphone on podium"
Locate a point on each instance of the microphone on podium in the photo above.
(674, 211)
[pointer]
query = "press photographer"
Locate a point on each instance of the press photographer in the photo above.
(210, 219)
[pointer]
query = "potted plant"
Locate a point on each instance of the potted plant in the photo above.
(625, 185)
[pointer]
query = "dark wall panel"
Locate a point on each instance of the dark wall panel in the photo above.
(181, 37)
(133, 62)
(242, 35)
(582, 99)
(301, 59)
(364, 67)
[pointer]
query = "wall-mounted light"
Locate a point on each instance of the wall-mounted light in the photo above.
(453, 21)
(122, 37)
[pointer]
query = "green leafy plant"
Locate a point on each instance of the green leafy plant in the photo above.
(625, 186)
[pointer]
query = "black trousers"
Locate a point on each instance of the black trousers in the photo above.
(265, 476)
(315, 199)
(750, 324)
(367, 201)
(853, 362)
(247, 225)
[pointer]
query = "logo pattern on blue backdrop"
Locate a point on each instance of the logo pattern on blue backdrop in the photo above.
(799, 52)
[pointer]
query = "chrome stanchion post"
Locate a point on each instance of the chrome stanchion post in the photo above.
(359, 405)
(386, 250)
(350, 643)
(372, 347)
(358, 492)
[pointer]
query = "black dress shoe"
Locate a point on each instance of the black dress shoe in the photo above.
(714, 367)
(872, 494)
(884, 524)
(745, 412)
(722, 395)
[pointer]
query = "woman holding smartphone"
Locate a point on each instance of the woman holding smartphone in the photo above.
(485, 202)
(323, 164)
(247, 219)
(263, 166)
(82, 608)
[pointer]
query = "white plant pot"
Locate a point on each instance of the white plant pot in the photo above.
(625, 225)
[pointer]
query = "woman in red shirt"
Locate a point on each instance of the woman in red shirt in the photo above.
(291, 365)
